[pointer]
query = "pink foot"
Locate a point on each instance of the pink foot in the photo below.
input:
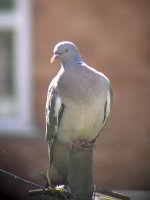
(80, 145)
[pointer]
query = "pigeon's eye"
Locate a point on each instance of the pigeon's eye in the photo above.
(66, 50)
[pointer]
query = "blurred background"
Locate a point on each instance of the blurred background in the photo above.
(113, 37)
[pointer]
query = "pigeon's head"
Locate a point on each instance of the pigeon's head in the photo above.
(66, 52)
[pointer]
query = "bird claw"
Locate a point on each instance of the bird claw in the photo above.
(45, 175)
(81, 145)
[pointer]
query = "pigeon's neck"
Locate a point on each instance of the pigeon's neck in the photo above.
(71, 62)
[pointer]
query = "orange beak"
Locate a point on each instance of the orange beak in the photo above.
(54, 58)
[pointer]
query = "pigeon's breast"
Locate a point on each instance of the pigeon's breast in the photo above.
(81, 123)
(81, 87)
(84, 96)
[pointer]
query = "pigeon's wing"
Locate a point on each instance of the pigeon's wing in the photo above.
(107, 109)
(54, 111)
(108, 104)
(57, 152)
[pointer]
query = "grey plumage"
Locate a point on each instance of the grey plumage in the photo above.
(78, 104)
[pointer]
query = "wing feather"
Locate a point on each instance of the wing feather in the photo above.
(54, 111)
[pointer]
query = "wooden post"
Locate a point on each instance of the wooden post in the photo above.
(80, 174)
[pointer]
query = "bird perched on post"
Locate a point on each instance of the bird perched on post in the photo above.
(78, 104)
